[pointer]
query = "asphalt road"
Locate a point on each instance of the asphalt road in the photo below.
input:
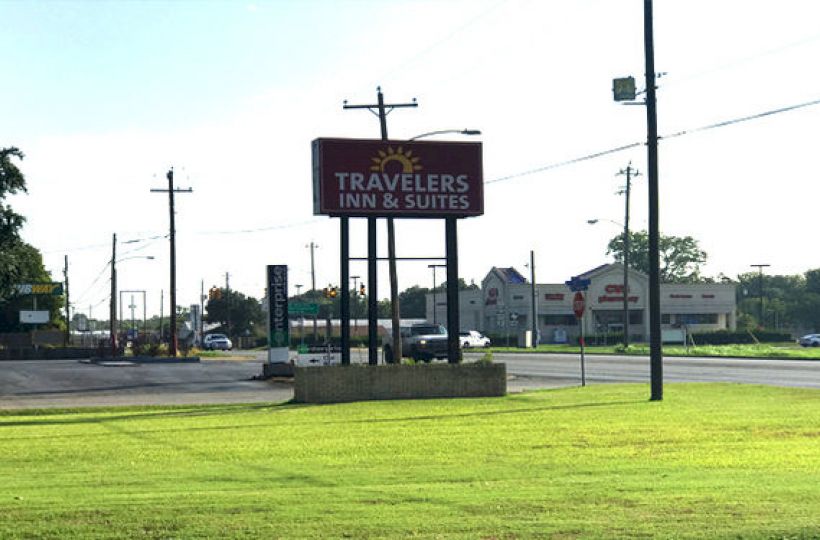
(565, 369)
(69, 383)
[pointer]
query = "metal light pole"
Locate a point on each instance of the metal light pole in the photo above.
(435, 298)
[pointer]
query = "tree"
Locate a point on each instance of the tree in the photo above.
(680, 257)
(12, 259)
(243, 312)
(413, 302)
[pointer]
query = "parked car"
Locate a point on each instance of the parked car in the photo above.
(810, 340)
(217, 341)
(473, 338)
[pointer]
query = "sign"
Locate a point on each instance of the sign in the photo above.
(278, 323)
(303, 309)
(374, 178)
(319, 355)
(34, 317)
(53, 289)
(578, 304)
(623, 89)
(576, 284)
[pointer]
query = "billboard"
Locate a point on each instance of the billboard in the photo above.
(374, 178)
(278, 322)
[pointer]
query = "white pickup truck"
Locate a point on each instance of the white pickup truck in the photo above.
(421, 341)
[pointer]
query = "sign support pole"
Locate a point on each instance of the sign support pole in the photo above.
(451, 241)
(583, 344)
(344, 303)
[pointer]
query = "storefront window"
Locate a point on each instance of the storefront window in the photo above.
(559, 320)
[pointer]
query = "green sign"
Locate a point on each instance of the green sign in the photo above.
(53, 289)
(303, 309)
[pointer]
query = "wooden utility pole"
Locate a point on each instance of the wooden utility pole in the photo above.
(655, 344)
(381, 110)
(172, 346)
(629, 172)
(67, 306)
(112, 316)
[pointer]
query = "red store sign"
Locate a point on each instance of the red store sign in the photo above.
(365, 177)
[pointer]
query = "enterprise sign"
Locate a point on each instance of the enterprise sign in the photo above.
(364, 177)
(278, 323)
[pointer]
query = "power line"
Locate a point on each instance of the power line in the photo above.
(671, 136)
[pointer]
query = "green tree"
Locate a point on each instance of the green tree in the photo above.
(12, 259)
(243, 313)
(413, 302)
(680, 257)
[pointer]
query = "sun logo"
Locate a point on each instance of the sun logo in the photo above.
(408, 163)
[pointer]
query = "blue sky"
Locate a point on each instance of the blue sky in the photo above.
(104, 97)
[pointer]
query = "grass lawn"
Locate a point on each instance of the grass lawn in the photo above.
(763, 350)
(710, 461)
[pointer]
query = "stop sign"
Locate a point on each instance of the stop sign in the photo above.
(578, 304)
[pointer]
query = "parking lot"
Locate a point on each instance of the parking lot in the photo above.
(73, 383)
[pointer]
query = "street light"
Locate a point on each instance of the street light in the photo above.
(443, 131)
(435, 300)
(626, 275)
(113, 303)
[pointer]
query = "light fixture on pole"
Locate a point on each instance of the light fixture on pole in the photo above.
(443, 131)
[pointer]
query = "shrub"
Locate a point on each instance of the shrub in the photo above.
(725, 337)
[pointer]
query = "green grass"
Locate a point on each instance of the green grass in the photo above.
(763, 350)
(710, 461)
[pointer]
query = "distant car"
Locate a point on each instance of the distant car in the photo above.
(810, 340)
(473, 339)
(217, 341)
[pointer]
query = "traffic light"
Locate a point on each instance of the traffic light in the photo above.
(326, 292)
(333, 292)
(213, 293)
(361, 290)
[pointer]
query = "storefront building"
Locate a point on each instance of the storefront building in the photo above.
(503, 306)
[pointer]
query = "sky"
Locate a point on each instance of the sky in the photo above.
(105, 97)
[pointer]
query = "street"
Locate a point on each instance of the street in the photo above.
(70, 383)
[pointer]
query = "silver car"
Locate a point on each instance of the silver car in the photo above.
(810, 340)
(217, 341)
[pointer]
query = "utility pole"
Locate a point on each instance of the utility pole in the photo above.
(629, 172)
(228, 301)
(67, 305)
(655, 346)
(161, 314)
(760, 268)
(112, 316)
(534, 304)
(312, 247)
(172, 346)
(201, 311)
(381, 110)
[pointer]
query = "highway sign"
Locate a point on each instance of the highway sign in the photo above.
(303, 309)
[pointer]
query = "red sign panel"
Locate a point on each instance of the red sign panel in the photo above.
(363, 177)
(578, 304)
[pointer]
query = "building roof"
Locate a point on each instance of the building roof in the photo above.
(509, 275)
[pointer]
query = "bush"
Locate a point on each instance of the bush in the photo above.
(725, 337)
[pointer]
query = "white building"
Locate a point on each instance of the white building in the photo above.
(503, 306)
